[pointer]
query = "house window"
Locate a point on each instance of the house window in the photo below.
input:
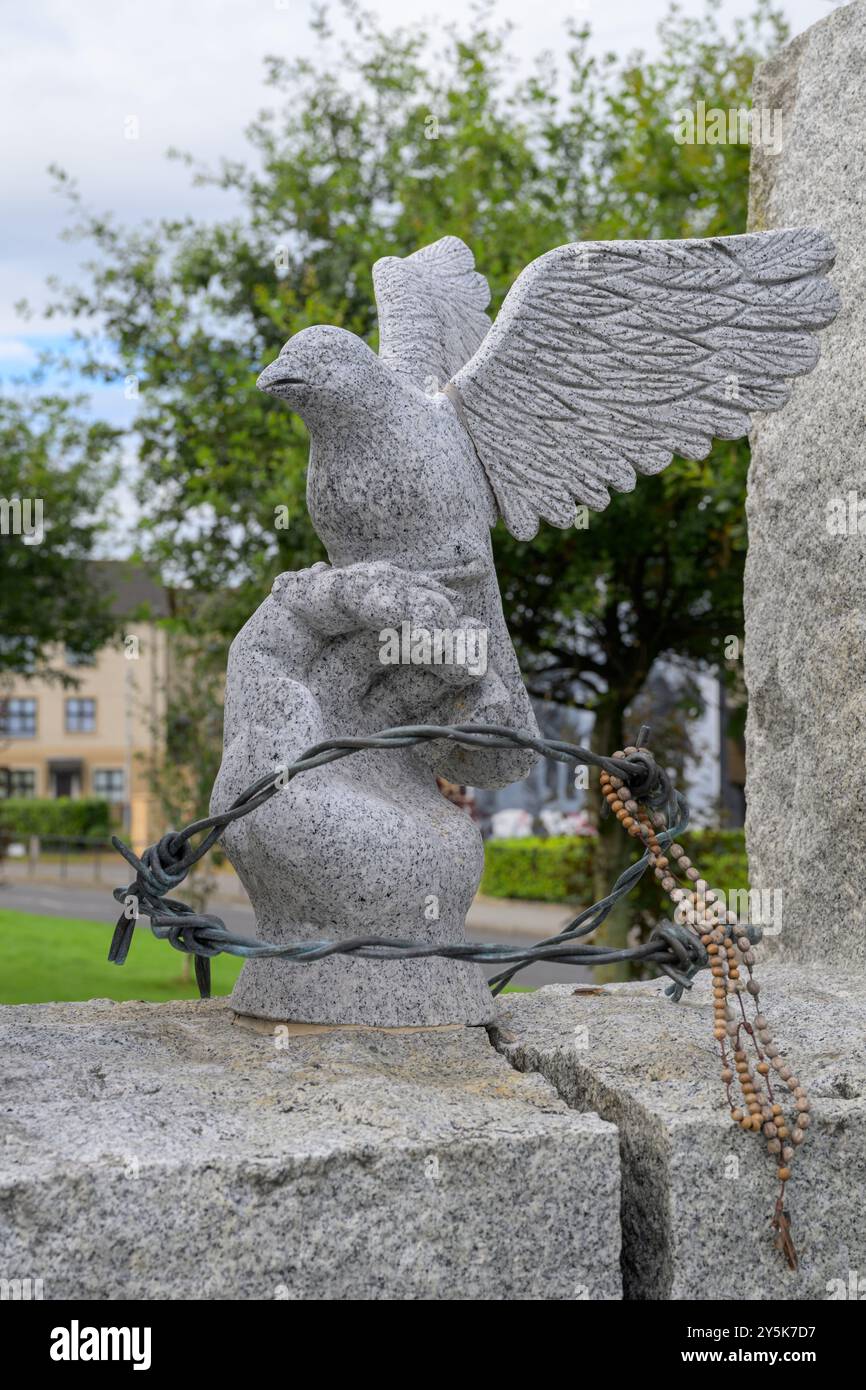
(109, 783)
(18, 781)
(80, 716)
(18, 718)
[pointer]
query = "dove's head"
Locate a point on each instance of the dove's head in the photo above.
(323, 372)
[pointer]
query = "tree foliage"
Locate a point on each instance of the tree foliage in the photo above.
(49, 597)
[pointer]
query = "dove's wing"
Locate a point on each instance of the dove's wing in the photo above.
(607, 358)
(431, 311)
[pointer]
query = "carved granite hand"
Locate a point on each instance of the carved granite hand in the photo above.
(376, 594)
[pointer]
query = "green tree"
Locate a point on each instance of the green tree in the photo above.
(55, 471)
(376, 149)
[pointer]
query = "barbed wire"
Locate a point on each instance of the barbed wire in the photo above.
(677, 952)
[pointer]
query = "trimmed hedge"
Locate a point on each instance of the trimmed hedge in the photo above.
(559, 869)
(553, 870)
(78, 817)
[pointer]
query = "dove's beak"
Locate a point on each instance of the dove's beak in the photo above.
(277, 376)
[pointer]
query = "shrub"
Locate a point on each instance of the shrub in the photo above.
(554, 870)
(559, 869)
(81, 817)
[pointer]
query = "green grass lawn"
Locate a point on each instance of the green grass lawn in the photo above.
(52, 958)
(48, 958)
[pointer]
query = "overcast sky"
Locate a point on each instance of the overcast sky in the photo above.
(191, 72)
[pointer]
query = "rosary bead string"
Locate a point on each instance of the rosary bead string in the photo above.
(731, 951)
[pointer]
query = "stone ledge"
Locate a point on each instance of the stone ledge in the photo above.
(650, 1067)
(155, 1151)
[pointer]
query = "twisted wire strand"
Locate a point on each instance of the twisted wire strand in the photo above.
(163, 866)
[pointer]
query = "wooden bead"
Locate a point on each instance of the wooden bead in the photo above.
(784, 1174)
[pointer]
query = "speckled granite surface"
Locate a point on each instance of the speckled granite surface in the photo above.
(698, 1194)
(157, 1151)
(805, 650)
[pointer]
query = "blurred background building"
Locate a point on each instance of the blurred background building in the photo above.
(97, 737)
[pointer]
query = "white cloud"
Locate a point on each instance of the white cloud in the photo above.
(17, 352)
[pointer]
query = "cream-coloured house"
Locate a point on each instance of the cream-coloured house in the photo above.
(96, 739)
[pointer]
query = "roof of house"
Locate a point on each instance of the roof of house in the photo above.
(132, 587)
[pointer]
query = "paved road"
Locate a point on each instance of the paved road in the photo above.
(490, 919)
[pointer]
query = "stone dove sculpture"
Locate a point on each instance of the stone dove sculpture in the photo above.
(605, 360)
